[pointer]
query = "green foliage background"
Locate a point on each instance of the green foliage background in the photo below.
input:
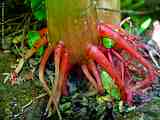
(38, 8)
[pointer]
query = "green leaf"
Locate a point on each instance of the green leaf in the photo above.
(64, 107)
(34, 36)
(40, 14)
(35, 3)
(145, 25)
(107, 42)
(102, 99)
(17, 39)
(109, 85)
(41, 51)
(106, 80)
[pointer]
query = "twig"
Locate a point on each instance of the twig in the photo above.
(152, 53)
(22, 23)
(26, 27)
(130, 11)
(15, 18)
(19, 52)
(29, 103)
(12, 23)
(127, 19)
(14, 33)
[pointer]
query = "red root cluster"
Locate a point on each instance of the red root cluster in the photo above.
(122, 62)
(129, 67)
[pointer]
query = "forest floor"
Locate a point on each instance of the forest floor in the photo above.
(14, 99)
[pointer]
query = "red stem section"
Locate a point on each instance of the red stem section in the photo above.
(64, 71)
(57, 59)
(43, 62)
(88, 75)
(109, 56)
(106, 30)
(92, 67)
(59, 50)
(94, 53)
(61, 70)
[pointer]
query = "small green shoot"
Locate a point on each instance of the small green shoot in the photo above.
(109, 85)
(107, 42)
(145, 25)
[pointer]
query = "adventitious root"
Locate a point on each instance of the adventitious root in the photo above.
(62, 68)
(92, 58)
(88, 75)
(94, 70)
(43, 62)
(124, 42)
(61, 72)
(55, 92)
(94, 53)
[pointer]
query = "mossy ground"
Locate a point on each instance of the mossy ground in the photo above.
(13, 98)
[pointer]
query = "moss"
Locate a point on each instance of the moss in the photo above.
(12, 98)
(7, 60)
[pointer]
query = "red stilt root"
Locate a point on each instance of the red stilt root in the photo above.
(92, 67)
(88, 75)
(43, 62)
(94, 53)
